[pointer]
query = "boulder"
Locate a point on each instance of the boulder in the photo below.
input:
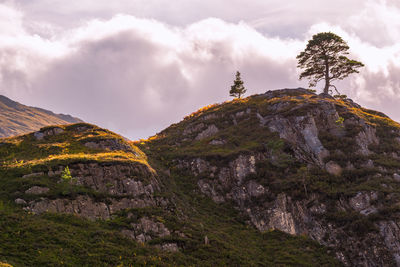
(37, 190)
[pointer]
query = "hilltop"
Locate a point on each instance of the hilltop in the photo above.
(288, 177)
(16, 119)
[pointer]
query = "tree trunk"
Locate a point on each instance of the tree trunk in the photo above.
(327, 84)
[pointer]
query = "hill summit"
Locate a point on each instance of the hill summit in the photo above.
(16, 119)
(288, 177)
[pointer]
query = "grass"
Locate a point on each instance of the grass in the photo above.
(66, 147)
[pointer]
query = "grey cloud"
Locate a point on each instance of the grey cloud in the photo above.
(13, 80)
(285, 19)
(126, 81)
(116, 82)
(384, 89)
(120, 82)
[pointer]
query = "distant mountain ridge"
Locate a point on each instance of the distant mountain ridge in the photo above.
(16, 118)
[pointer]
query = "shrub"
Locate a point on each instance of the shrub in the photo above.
(66, 174)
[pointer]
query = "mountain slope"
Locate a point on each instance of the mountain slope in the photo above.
(112, 206)
(285, 178)
(16, 119)
(301, 163)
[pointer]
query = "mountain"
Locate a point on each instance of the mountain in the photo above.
(285, 178)
(16, 119)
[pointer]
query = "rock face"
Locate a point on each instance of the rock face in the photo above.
(267, 210)
(37, 190)
(309, 128)
(145, 230)
(124, 186)
(109, 145)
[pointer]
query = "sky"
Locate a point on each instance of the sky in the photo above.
(137, 66)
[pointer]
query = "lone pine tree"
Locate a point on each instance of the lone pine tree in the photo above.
(325, 59)
(237, 89)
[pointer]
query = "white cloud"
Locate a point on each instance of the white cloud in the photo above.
(138, 75)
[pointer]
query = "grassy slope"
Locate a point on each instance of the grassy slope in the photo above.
(40, 240)
(248, 137)
(285, 173)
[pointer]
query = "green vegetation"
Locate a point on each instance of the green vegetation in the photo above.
(66, 174)
(68, 146)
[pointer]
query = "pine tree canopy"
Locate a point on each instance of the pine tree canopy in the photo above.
(325, 59)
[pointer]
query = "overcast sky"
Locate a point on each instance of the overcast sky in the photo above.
(136, 66)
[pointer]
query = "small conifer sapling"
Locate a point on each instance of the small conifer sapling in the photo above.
(237, 89)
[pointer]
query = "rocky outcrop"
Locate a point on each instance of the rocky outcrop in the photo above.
(146, 229)
(37, 190)
(210, 131)
(39, 135)
(124, 186)
(301, 126)
(109, 145)
(83, 206)
(267, 211)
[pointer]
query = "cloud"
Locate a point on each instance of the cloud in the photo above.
(137, 75)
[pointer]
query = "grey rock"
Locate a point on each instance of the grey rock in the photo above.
(20, 201)
(365, 138)
(396, 177)
(36, 174)
(141, 238)
(128, 234)
(302, 133)
(280, 218)
(390, 231)
(38, 135)
(209, 190)
(170, 247)
(333, 168)
(217, 142)
(109, 145)
(199, 166)
(37, 190)
(368, 164)
(82, 206)
(240, 114)
(149, 227)
(243, 166)
(362, 202)
(193, 128)
(146, 229)
(209, 117)
(210, 131)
